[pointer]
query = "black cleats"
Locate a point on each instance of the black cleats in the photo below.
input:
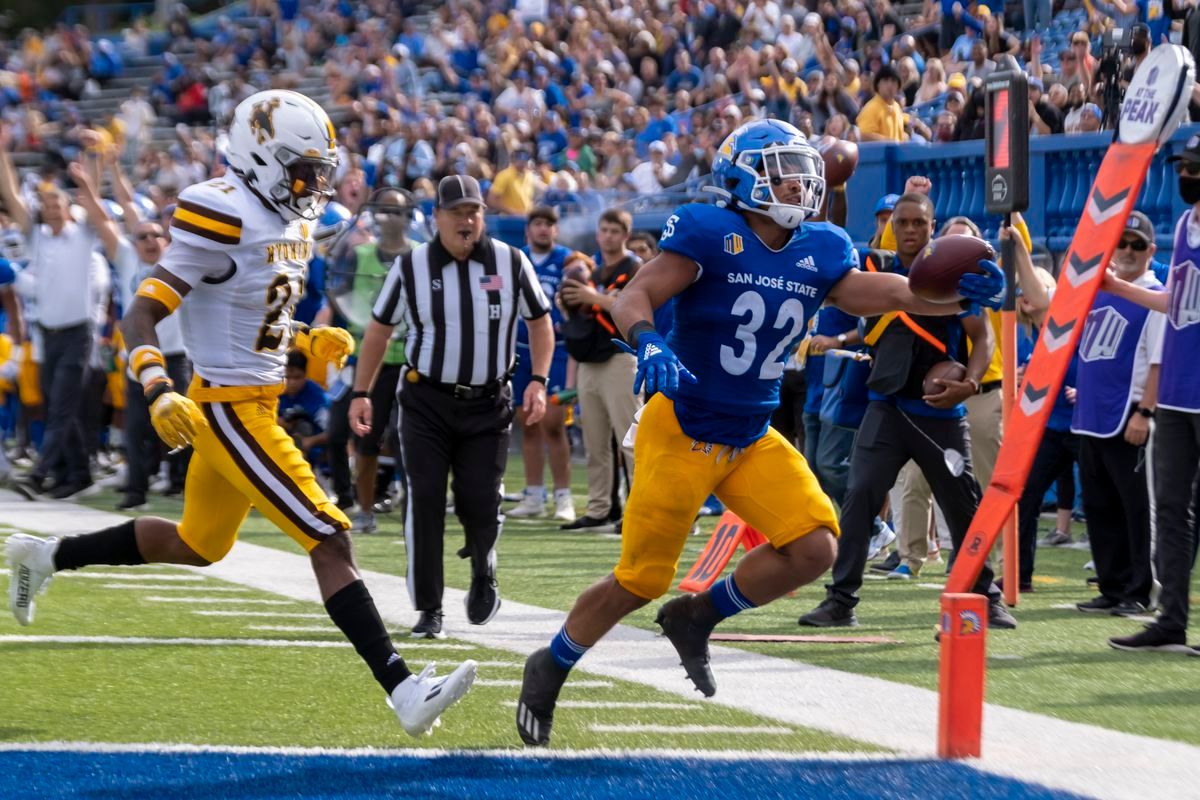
(688, 624)
(543, 680)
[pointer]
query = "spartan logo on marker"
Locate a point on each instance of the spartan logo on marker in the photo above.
(1185, 295)
(1102, 335)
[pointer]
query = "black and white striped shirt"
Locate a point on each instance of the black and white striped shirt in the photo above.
(461, 316)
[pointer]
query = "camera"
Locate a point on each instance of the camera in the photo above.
(1115, 69)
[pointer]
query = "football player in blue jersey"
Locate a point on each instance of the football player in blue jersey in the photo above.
(747, 277)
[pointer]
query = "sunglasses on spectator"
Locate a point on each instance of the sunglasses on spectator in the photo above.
(1136, 245)
(145, 235)
(1068, 58)
(1190, 168)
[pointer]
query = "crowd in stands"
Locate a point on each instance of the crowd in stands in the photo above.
(549, 105)
(581, 103)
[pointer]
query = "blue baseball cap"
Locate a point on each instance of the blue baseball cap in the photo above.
(886, 203)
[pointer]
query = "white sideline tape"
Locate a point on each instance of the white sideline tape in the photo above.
(732, 730)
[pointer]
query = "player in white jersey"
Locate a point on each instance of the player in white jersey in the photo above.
(236, 267)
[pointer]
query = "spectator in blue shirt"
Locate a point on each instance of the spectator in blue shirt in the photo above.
(660, 123)
(304, 408)
(552, 139)
(686, 75)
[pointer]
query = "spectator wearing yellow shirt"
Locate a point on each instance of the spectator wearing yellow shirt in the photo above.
(787, 79)
(883, 119)
(515, 187)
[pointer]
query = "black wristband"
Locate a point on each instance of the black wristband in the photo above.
(358, 394)
(637, 329)
(539, 379)
(157, 390)
(1148, 413)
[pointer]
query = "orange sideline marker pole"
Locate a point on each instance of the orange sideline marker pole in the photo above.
(961, 675)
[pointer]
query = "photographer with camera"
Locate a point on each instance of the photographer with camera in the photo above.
(1124, 49)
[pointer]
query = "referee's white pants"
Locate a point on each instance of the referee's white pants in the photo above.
(607, 405)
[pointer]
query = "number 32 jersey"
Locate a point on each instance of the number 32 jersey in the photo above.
(246, 268)
(746, 311)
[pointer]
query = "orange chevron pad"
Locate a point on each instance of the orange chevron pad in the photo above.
(730, 532)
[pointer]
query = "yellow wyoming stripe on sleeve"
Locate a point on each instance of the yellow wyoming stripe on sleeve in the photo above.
(205, 222)
(161, 291)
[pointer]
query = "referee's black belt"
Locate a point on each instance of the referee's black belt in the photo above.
(989, 386)
(460, 391)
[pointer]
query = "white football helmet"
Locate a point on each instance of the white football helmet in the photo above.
(283, 146)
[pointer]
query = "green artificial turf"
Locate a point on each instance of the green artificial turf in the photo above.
(1057, 662)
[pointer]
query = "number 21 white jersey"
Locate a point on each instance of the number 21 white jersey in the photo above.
(246, 268)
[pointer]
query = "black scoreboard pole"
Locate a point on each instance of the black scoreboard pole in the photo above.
(1007, 190)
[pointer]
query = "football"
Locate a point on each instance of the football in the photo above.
(575, 271)
(947, 370)
(840, 157)
(936, 270)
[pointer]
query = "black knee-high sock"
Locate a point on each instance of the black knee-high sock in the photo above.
(353, 610)
(116, 546)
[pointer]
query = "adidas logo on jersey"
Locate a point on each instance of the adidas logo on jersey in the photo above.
(651, 351)
(807, 263)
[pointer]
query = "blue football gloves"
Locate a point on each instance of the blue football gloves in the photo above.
(985, 290)
(658, 369)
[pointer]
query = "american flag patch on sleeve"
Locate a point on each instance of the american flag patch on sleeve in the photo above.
(491, 283)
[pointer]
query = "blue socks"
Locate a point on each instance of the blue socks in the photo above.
(727, 599)
(565, 650)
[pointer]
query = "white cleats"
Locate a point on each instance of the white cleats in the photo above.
(533, 504)
(419, 700)
(564, 506)
(30, 565)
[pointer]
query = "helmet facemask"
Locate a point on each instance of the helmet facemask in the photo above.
(776, 166)
(307, 185)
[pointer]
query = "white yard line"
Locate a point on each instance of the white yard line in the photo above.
(732, 730)
(140, 575)
(182, 641)
(1065, 755)
(267, 614)
(159, 587)
(579, 684)
(201, 600)
(614, 704)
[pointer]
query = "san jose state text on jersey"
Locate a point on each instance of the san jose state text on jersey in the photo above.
(749, 306)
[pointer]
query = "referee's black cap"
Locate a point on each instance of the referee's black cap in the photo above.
(455, 190)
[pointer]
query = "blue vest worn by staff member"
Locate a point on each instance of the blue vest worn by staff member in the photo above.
(1108, 351)
(1179, 380)
(747, 309)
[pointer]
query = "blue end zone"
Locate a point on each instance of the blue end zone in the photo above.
(216, 775)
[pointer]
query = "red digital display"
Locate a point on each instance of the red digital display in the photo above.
(1000, 144)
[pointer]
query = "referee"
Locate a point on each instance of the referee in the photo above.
(460, 296)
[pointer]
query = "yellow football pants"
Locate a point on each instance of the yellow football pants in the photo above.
(243, 458)
(769, 485)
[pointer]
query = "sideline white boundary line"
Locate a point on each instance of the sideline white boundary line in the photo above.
(601, 705)
(731, 730)
(1029, 747)
(538, 754)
